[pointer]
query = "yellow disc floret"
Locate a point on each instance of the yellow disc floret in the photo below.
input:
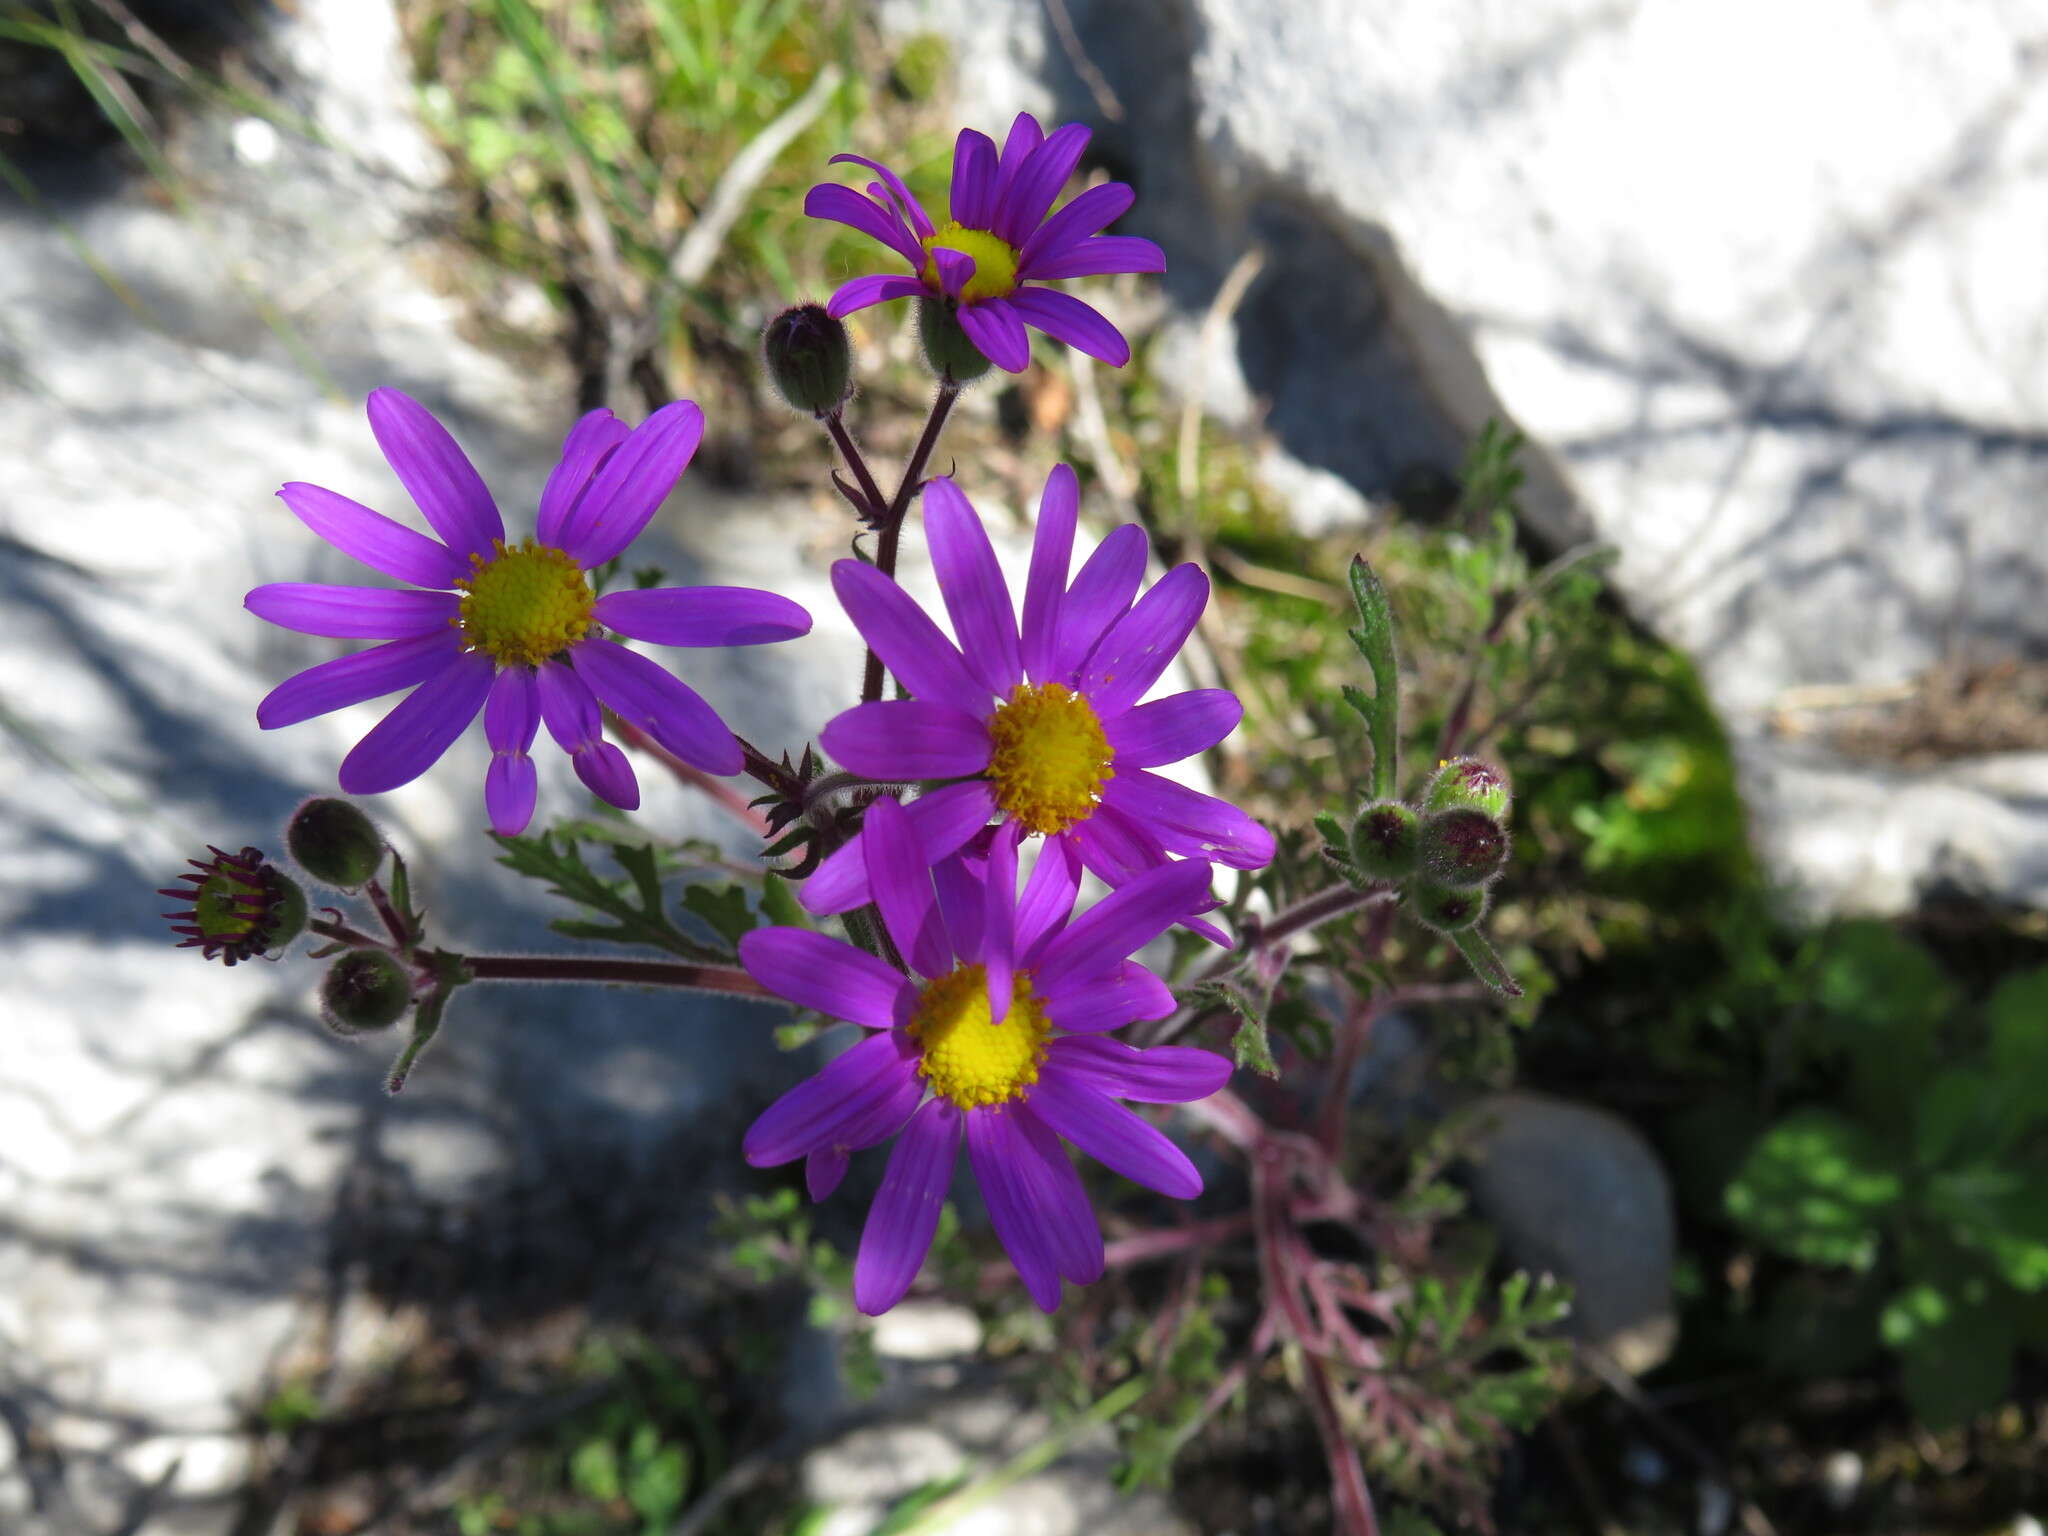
(968, 1057)
(1050, 757)
(524, 604)
(995, 261)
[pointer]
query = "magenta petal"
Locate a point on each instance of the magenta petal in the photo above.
(1143, 643)
(963, 902)
(586, 447)
(996, 1151)
(911, 208)
(1100, 595)
(608, 774)
(999, 923)
(944, 819)
(1082, 217)
(1111, 1134)
(974, 179)
(703, 616)
(436, 473)
(349, 680)
(1039, 182)
(992, 325)
(864, 292)
(1022, 140)
(955, 269)
(1123, 922)
(900, 883)
(353, 613)
(1065, 1217)
(904, 739)
(815, 970)
(1100, 1001)
(971, 582)
(824, 1171)
(646, 694)
(843, 205)
(1164, 1074)
(1114, 847)
(906, 1209)
(909, 643)
(1189, 822)
(410, 740)
(811, 1114)
(1048, 898)
(1169, 729)
(373, 538)
(1098, 257)
(1052, 551)
(632, 483)
(569, 709)
(1065, 318)
(511, 719)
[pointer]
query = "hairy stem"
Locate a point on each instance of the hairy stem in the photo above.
(630, 973)
(892, 522)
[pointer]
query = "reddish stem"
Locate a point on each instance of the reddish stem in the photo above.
(722, 793)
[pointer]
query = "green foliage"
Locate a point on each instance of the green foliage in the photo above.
(1932, 1173)
(635, 908)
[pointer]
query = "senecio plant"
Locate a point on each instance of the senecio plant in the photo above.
(925, 862)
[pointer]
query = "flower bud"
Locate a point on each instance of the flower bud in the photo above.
(810, 361)
(1462, 847)
(948, 351)
(334, 843)
(241, 906)
(1468, 781)
(364, 990)
(1384, 840)
(1446, 909)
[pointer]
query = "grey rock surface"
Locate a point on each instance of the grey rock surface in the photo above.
(1577, 1192)
(1758, 283)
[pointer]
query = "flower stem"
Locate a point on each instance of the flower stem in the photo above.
(892, 523)
(877, 507)
(630, 973)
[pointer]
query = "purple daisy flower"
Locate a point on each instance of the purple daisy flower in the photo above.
(512, 630)
(1000, 1036)
(998, 242)
(1041, 726)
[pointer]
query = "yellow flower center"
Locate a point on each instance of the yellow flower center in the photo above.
(995, 261)
(1051, 757)
(524, 604)
(968, 1057)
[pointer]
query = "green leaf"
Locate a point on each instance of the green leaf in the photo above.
(594, 1470)
(1250, 1047)
(426, 1023)
(1486, 965)
(635, 906)
(2000, 1211)
(1950, 1117)
(2018, 1014)
(1955, 1353)
(779, 904)
(723, 909)
(1816, 1187)
(1374, 638)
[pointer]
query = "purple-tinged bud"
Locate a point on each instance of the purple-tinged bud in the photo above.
(810, 360)
(1468, 781)
(363, 991)
(1384, 840)
(1462, 847)
(948, 350)
(241, 906)
(1446, 909)
(334, 843)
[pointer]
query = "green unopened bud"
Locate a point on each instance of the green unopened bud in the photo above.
(810, 360)
(1445, 908)
(241, 906)
(1384, 840)
(1468, 781)
(364, 990)
(948, 350)
(334, 843)
(1462, 847)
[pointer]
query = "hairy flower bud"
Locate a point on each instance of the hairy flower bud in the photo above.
(1445, 908)
(947, 349)
(1384, 840)
(241, 906)
(1462, 847)
(1470, 782)
(364, 990)
(810, 360)
(334, 843)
